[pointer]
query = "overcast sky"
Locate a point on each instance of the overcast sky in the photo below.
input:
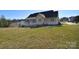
(21, 14)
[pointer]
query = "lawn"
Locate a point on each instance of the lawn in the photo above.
(66, 36)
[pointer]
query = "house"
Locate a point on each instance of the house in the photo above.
(43, 18)
(71, 19)
(17, 23)
(46, 18)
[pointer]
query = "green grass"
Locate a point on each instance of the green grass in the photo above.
(66, 36)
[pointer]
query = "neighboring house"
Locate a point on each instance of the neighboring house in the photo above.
(16, 23)
(71, 19)
(43, 18)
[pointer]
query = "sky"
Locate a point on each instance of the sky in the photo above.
(68, 13)
(17, 14)
(21, 14)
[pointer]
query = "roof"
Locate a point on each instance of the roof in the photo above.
(47, 14)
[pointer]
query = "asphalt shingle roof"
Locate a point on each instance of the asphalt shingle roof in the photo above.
(47, 14)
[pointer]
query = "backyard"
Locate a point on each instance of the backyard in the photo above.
(50, 37)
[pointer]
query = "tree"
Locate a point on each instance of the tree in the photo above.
(76, 19)
(64, 19)
(3, 22)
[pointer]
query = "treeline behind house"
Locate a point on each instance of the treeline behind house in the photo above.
(74, 19)
(5, 22)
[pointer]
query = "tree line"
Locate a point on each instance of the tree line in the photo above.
(74, 19)
(6, 22)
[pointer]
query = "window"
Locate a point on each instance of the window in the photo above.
(40, 20)
(52, 19)
(34, 20)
